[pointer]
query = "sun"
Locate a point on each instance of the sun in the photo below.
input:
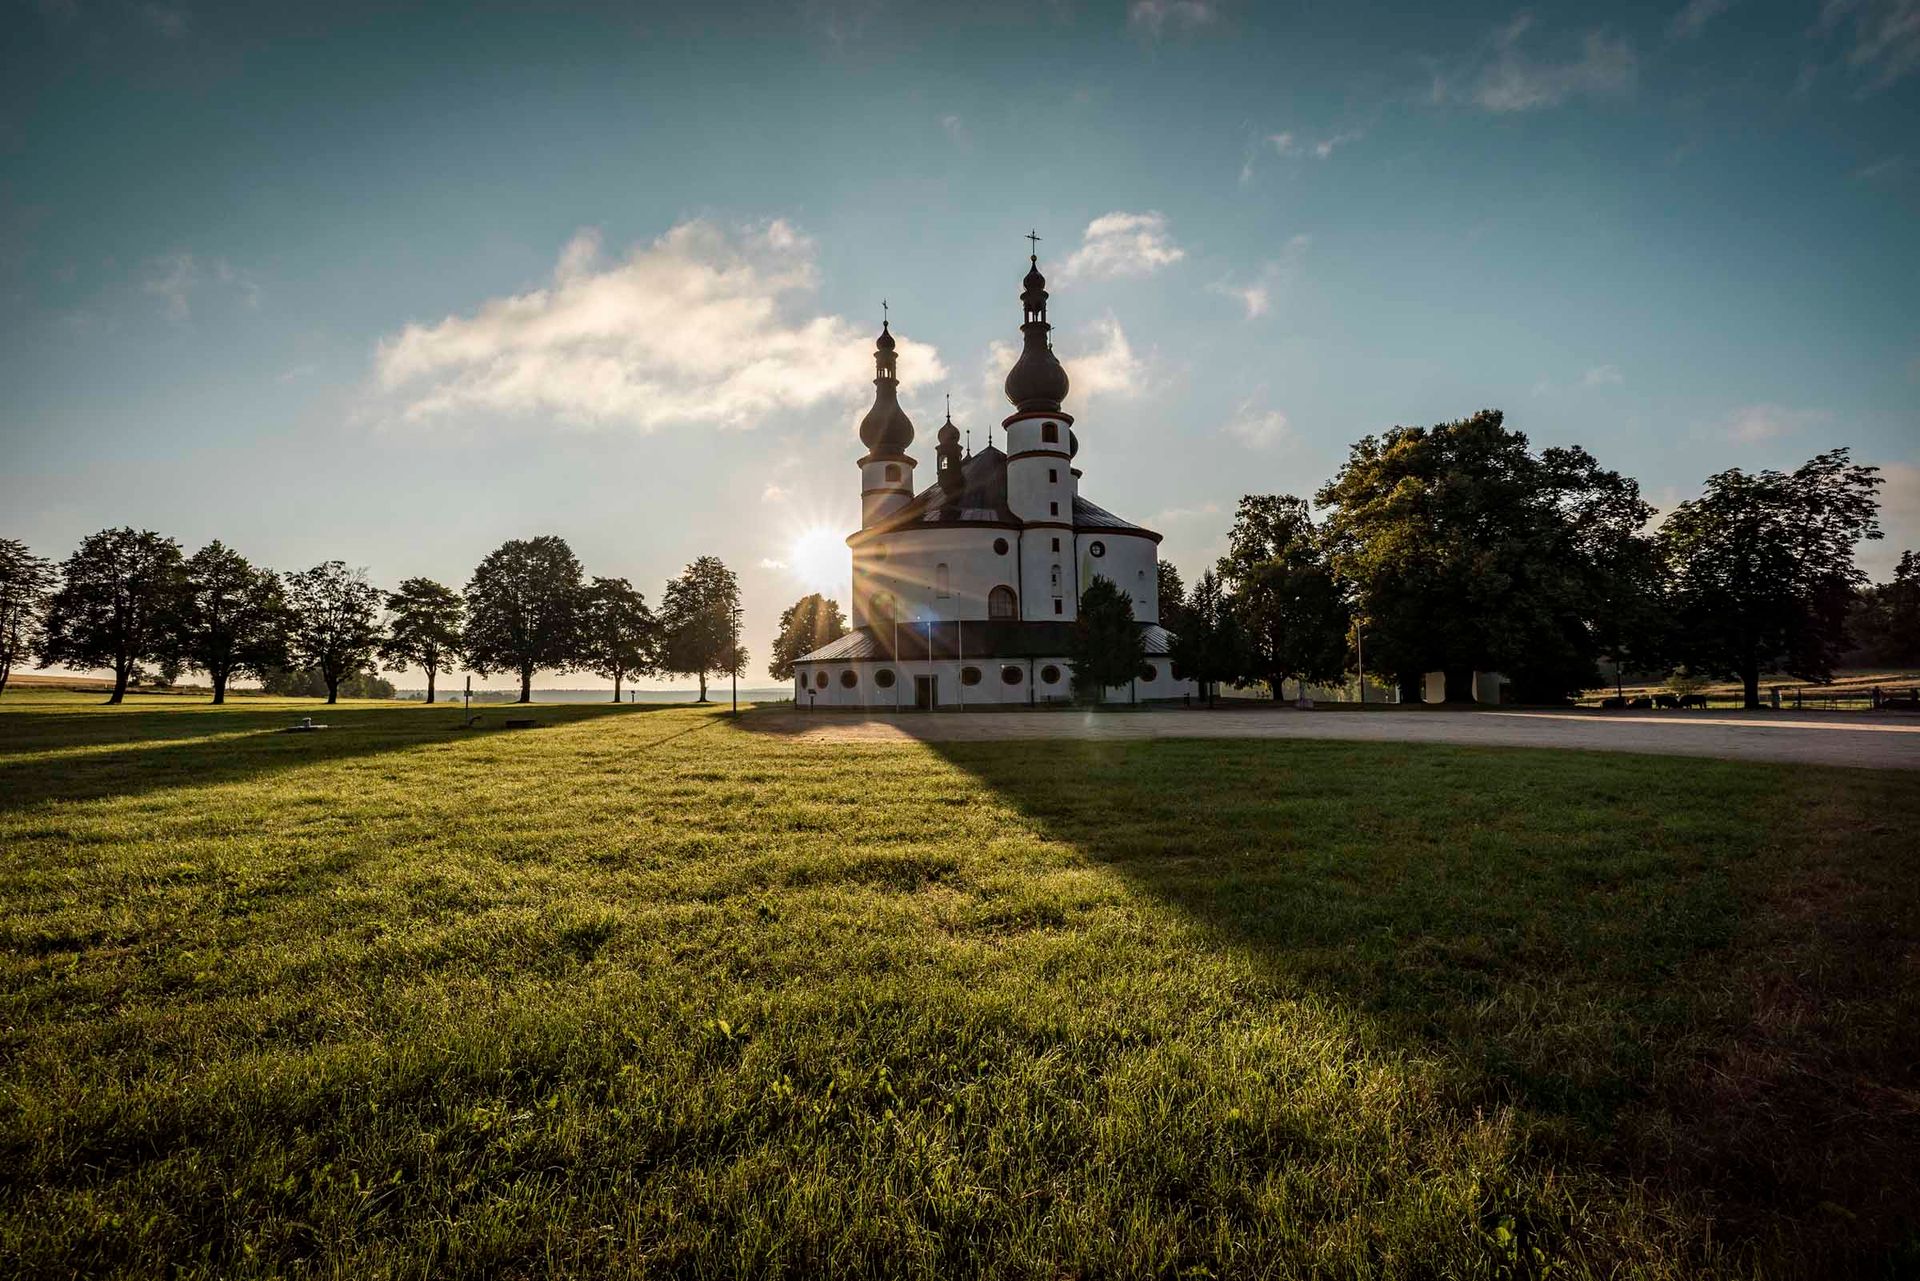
(819, 560)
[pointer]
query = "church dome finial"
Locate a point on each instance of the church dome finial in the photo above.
(886, 429)
(1036, 381)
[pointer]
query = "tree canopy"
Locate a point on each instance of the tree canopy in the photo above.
(697, 619)
(424, 622)
(525, 610)
(25, 580)
(806, 625)
(233, 617)
(1210, 646)
(1884, 625)
(1171, 593)
(117, 605)
(1283, 595)
(619, 636)
(1763, 570)
(1105, 646)
(335, 627)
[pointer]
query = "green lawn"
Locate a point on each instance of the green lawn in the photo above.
(646, 992)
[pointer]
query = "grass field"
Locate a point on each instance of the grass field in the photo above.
(646, 992)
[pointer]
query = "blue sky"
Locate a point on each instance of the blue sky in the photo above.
(393, 287)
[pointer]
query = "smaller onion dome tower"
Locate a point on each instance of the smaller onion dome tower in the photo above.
(886, 473)
(947, 468)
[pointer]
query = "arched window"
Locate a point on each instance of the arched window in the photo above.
(941, 583)
(1050, 433)
(893, 471)
(1002, 603)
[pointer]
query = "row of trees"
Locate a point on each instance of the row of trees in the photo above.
(1458, 548)
(132, 601)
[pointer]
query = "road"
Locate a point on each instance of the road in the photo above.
(1856, 739)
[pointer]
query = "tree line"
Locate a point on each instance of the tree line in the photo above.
(1460, 548)
(133, 602)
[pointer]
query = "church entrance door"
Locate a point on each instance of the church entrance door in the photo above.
(926, 693)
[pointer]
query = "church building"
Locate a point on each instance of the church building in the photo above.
(965, 592)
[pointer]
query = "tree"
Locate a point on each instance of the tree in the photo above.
(25, 580)
(1466, 551)
(116, 606)
(620, 636)
(1763, 568)
(1172, 594)
(806, 625)
(1210, 646)
(232, 618)
(524, 610)
(1106, 646)
(1283, 594)
(335, 626)
(306, 682)
(697, 619)
(424, 619)
(1884, 623)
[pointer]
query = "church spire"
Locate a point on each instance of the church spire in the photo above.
(886, 430)
(1036, 382)
(947, 452)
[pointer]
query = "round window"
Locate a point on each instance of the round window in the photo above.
(819, 680)
(1148, 672)
(1050, 675)
(969, 676)
(1011, 675)
(1096, 548)
(1000, 547)
(1173, 670)
(884, 678)
(849, 678)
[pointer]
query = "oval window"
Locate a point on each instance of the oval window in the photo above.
(1011, 675)
(1050, 674)
(849, 678)
(1096, 548)
(969, 676)
(819, 680)
(1000, 547)
(1173, 670)
(1148, 672)
(884, 678)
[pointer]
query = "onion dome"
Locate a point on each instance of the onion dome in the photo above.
(886, 430)
(1036, 381)
(948, 455)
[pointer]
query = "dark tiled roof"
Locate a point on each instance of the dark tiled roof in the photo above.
(983, 500)
(983, 640)
(1088, 515)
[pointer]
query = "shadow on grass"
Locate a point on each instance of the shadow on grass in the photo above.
(1698, 975)
(95, 756)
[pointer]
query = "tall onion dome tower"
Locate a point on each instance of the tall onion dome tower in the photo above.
(1041, 482)
(886, 473)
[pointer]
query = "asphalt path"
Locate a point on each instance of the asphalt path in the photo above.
(1860, 740)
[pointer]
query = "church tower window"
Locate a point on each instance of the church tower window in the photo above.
(1050, 433)
(1002, 603)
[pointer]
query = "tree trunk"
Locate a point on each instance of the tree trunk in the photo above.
(1413, 689)
(1274, 687)
(1750, 685)
(333, 685)
(1459, 684)
(430, 673)
(526, 684)
(703, 687)
(219, 687)
(121, 672)
(616, 687)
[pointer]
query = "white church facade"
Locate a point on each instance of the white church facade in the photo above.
(965, 593)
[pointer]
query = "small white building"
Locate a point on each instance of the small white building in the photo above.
(965, 593)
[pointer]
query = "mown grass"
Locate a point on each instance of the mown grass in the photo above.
(646, 992)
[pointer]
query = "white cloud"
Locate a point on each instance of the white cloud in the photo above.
(1750, 424)
(1123, 244)
(1291, 144)
(956, 131)
(1899, 520)
(1601, 376)
(696, 327)
(1258, 428)
(1886, 37)
(1151, 18)
(1516, 81)
(1694, 16)
(768, 562)
(1256, 295)
(172, 278)
(774, 494)
(1109, 367)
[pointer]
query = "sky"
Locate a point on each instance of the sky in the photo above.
(392, 286)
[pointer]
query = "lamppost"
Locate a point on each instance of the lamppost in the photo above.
(733, 655)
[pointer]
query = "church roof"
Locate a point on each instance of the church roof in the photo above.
(982, 500)
(989, 641)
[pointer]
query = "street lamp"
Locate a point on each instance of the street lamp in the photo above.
(733, 655)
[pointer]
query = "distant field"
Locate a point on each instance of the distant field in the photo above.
(651, 992)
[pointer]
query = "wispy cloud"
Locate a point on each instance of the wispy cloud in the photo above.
(1694, 16)
(1108, 366)
(956, 131)
(1751, 424)
(1516, 80)
(175, 278)
(168, 20)
(1880, 168)
(774, 494)
(696, 327)
(1293, 144)
(1153, 18)
(1124, 244)
(1886, 38)
(1256, 295)
(1601, 376)
(1257, 427)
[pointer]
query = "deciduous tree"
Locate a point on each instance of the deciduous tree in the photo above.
(1763, 568)
(335, 627)
(424, 622)
(1884, 624)
(1210, 646)
(806, 625)
(525, 606)
(117, 605)
(620, 637)
(697, 619)
(1172, 594)
(233, 618)
(25, 580)
(1105, 646)
(1282, 592)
